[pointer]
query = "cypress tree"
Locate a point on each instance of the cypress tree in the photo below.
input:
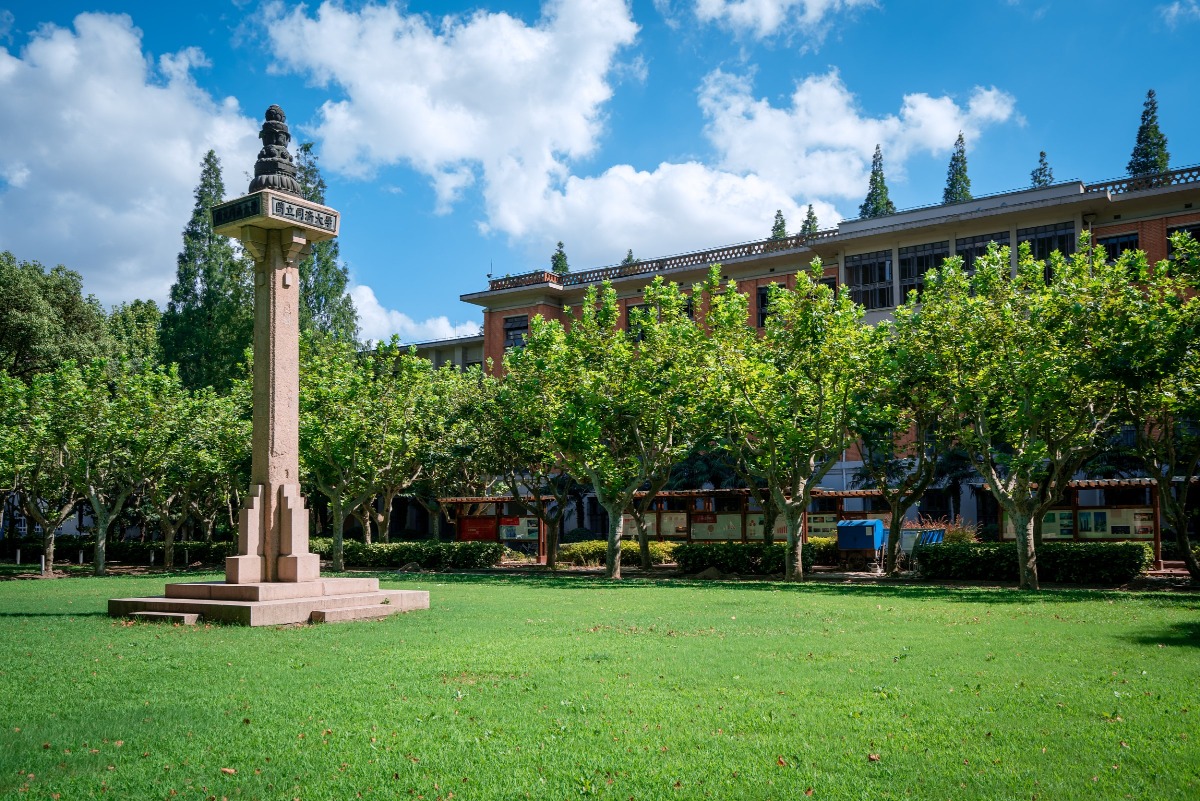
(810, 223)
(958, 184)
(209, 319)
(558, 261)
(629, 259)
(779, 227)
(877, 202)
(1042, 175)
(325, 305)
(1150, 156)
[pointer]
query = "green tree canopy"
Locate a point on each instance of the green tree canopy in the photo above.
(877, 203)
(1042, 175)
(1150, 156)
(779, 227)
(629, 259)
(325, 305)
(133, 329)
(558, 261)
(209, 319)
(810, 226)
(958, 183)
(45, 319)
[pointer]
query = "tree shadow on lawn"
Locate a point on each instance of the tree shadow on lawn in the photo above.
(1186, 634)
(53, 614)
(904, 590)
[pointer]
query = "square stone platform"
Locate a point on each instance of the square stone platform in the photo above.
(277, 603)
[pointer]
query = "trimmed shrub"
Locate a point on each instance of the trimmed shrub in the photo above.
(578, 535)
(594, 552)
(742, 558)
(1058, 562)
(429, 554)
(824, 550)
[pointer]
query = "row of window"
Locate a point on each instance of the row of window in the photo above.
(869, 275)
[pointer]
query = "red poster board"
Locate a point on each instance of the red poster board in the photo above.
(477, 528)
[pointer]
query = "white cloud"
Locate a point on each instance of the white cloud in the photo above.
(480, 93)
(821, 144)
(1180, 11)
(378, 323)
(99, 173)
(764, 18)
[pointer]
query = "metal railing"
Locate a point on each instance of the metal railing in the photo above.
(703, 257)
(1184, 175)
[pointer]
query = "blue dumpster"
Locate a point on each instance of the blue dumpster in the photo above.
(860, 535)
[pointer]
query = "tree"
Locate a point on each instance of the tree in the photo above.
(620, 414)
(958, 184)
(1025, 367)
(45, 318)
(558, 261)
(133, 330)
(124, 416)
(899, 422)
(779, 227)
(877, 203)
(1150, 156)
(339, 424)
(810, 227)
(628, 261)
(209, 320)
(787, 395)
(1042, 175)
(1162, 402)
(325, 305)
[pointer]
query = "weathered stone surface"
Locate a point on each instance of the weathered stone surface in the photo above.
(183, 618)
(274, 612)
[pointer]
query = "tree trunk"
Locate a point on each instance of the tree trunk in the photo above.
(1176, 513)
(643, 533)
(103, 521)
(794, 571)
(1037, 531)
(1023, 528)
(553, 527)
(338, 560)
(612, 559)
(769, 519)
(895, 526)
(48, 552)
(365, 512)
(169, 532)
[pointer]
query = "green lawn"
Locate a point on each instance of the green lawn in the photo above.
(553, 688)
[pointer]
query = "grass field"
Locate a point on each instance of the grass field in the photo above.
(562, 688)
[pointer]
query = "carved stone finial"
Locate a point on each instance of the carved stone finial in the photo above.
(274, 168)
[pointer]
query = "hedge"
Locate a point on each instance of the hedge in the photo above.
(429, 554)
(66, 549)
(1058, 562)
(594, 552)
(824, 550)
(742, 558)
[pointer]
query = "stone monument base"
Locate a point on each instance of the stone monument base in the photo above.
(273, 603)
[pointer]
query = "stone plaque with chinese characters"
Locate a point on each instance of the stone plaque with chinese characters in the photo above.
(271, 209)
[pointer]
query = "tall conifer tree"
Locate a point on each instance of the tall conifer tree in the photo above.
(1150, 156)
(958, 184)
(1042, 175)
(810, 223)
(325, 305)
(558, 261)
(779, 227)
(877, 202)
(209, 319)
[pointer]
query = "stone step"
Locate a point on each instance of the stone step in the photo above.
(269, 613)
(344, 613)
(185, 618)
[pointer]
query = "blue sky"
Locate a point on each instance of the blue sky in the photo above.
(460, 139)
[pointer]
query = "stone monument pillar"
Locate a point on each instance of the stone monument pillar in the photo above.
(274, 579)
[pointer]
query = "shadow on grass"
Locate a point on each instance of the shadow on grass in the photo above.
(1186, 634)
(882, 589)
(53, 614)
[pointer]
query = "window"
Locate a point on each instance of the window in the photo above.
(869, 277)
(515, 331)
(832, 283)
(915, 261)
(972, 247)
(764, 300)
(1114, 246)
(1045, 239)
(1192, 228)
